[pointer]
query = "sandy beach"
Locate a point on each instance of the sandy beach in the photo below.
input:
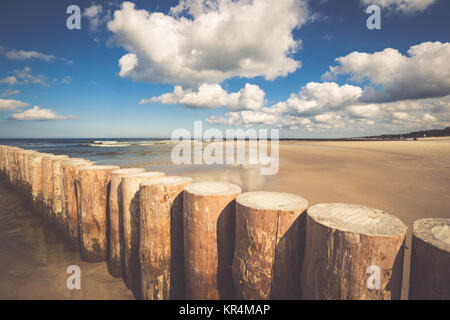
(408, 179)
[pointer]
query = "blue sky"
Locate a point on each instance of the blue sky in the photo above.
(74, 77)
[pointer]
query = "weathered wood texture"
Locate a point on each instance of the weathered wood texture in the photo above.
(58, 194)
(209, 232)
(352, 252)
(47, 184)
(430, 260)
(35, 176)
(69, 172)
(115, 213)
(130, 224)
(93, 184)
(270, 235)
(161, 238)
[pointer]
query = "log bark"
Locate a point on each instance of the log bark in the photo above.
(115, 213)
(47, 185)
(430, 260)
(26, 184)
(93, 182)
(69, 171)
(35, 176)
(209, 232)
(58, 195)
(130, 224)
(270, 235)
(352, 252)
(161, 238)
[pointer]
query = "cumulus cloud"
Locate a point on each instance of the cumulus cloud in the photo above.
(325, 106)
(38, 114)
(13, 54)
(317, 97)
(209, 41)
(402, 6)
(11, 80)
(25, 76)
(10, 104)
(210, 96)
(423, 73)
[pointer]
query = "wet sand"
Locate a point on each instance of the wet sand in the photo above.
(34, 259)
(408, 179)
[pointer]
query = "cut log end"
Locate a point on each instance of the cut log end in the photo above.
(273, 201)
(357, 219)
(122, 172)
(168, 181)
(434, 231)
(210, 188)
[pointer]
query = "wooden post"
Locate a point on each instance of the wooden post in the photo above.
(430, 260)
(352, 252)
(26, 184)
(47, 184)
(209, 232)
(115, 214)
(35, 177)
(93, 183)
(58, 193)
(130, 222)
(161, 238)
(270, 235)
(69, 216)
(13, 166)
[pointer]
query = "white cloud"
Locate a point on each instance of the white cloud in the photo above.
(317, 97)
(13, 54)
(404, 6)
(25, 76)
(222, 39)
(10, 104)
(423, 73)
(210, 96)
(38, 114)
(9, 92)
(11, 80)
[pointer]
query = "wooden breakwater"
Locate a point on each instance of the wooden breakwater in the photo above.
(171, 238)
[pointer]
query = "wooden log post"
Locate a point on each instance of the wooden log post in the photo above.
(130, 224)
(430, 260)
(69, 216)
(93, 183)
(270, 239)
(161, 238)
(48, 185)
(2, 160)
(13, 166)
(58, 203)
(35, 177)
(352, 252)
(209, 234)
(26, 183)
(115, 213)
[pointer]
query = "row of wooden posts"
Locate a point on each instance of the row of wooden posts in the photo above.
(170, 238)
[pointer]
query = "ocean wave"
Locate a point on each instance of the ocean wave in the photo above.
(117, 145)
(106, 142)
